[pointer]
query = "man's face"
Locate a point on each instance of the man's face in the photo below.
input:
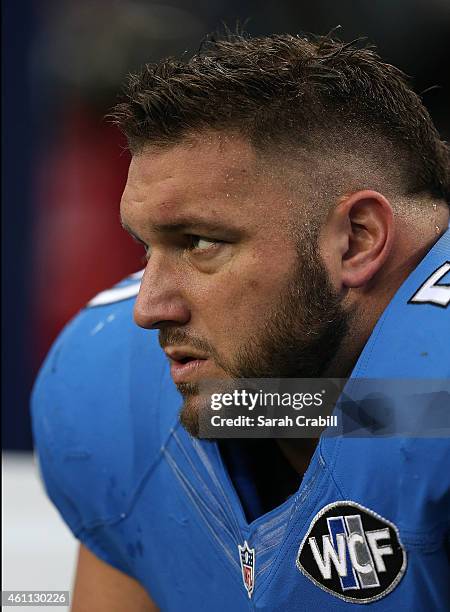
(232, 289)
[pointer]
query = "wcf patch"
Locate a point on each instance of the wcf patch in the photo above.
(352, 552)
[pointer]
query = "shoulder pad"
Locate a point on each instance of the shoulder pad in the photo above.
(102, 407)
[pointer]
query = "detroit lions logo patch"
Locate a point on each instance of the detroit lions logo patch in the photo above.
(352, 553)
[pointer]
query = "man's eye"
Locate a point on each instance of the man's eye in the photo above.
(197, 243)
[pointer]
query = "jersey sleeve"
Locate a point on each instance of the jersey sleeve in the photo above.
(98, 421)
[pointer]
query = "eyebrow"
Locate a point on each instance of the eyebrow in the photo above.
(188, 224)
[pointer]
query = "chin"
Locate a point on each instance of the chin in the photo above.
(189, 415)
(197, 399)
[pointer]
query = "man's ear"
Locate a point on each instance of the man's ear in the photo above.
(358, 237)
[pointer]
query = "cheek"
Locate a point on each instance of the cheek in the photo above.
(237, 305)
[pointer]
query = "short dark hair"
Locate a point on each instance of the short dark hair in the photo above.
(282, 90)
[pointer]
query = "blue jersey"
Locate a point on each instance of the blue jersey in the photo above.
(369, 523)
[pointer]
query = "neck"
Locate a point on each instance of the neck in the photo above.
(368, 304)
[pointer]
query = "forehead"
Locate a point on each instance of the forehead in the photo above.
(208, 165)
(219, 175)
(207, 159)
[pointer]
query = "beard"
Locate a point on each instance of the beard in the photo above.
(301, 335)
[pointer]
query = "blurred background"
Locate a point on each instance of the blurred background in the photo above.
(64, 167)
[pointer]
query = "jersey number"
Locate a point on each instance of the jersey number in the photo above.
(431, 292)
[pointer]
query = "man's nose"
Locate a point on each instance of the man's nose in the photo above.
(159, 302)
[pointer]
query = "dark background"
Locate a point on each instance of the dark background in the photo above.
(64, 168)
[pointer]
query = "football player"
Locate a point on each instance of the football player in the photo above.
(292, 197)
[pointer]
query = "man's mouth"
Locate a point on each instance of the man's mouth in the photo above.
(184, 364)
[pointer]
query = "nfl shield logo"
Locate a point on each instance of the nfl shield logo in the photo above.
(247, 556)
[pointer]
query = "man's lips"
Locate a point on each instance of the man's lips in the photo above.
(182, 372)
(184, 363)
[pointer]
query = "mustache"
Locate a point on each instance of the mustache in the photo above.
(172, 337)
